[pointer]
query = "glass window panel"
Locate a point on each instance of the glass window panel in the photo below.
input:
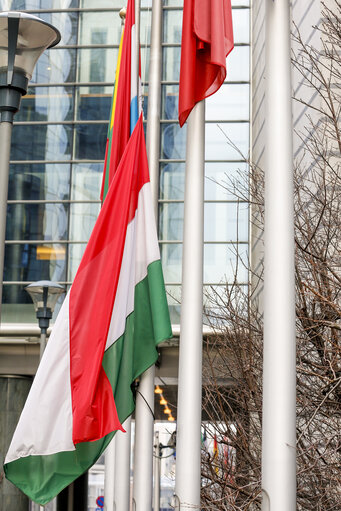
(45, 142)
(39, 181)
(65, 22)
(75, 254)
(145, 56)
(28, 262)
(82, 220)
(172, 181)
(56, 65)
(226, 181)
(222, 263)
(89, 4)
(241, 25)
(172, 26)
(37, 221)
(47, 104)
(87, 60)
(226, 221)
(238, 64)
(100, 28)
(215, 298)
(17, 305)
(171, 63)
(226, 141)
(91, 141)
(241, 3)
(173, 141)
(86, 181)
(171, 221)
(230, 102)
(146, 24)
(171, 258)
(174, 303)
(94, 103)
(169, 102)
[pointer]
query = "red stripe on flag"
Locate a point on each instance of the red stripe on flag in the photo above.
(121, 127)
(93, 294)
(207, 38)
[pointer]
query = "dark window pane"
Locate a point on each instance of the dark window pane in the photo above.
(39, 181)
(37, 221)
(52, 142)
(47, 104)
(173, 141)
(28, 262)
(91, 141)
(57, 65)
(94, 103)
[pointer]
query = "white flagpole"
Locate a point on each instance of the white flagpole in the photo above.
(143, 455)
(122, 468)
(279, 369)
(109, 474)
(188, 441)
(144, 419)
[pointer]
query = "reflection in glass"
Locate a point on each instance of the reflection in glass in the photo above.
(173, 141)
(55, 66)
(30, 262)
(91, 141)
(34, 142)
(226, 141)
(174, 303)
(238, 64)
(169, 101)
(39, 181)
(106, 26)
(171, 221)
(86, 181)
(225, 263)
(171, 63)
(172, 181)
(226, 181)
(87, 60)
(171, 258)
(37, 221)
(82, 220)
(54, 104)
(75, 254)
(230, 102)
(172, 25)
(226, 221)
(65, 22)
(94, 103)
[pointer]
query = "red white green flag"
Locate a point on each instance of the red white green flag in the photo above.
(104, 337)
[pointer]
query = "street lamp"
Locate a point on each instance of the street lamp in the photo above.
(44, 294)
(23, 38)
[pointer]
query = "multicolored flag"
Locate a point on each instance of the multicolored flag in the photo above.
(207, 39)
(105, 336)
(125, 109)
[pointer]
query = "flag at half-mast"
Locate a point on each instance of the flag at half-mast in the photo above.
(125, 106)
(105, 336)
(207, 39)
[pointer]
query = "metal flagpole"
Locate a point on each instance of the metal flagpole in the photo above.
(188, 440)
(109, 475)
(279, 370)
(157, 472)
(143, 456)
(144, 418)
(122, 468)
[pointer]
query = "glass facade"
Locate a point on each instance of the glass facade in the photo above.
(58, 147)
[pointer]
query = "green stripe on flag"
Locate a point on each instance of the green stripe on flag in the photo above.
(43, 477)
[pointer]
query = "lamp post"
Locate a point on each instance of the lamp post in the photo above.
(44, 294)
(23, 38)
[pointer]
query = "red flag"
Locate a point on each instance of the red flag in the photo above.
(207, 39)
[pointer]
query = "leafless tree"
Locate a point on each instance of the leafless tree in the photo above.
(233, 356)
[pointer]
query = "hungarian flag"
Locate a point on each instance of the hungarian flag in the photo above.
(207, 39)
(124, 107)
(105, 336)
